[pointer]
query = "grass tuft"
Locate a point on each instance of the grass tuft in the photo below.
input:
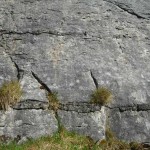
(10, 93)
(53, 101)
(101, 96)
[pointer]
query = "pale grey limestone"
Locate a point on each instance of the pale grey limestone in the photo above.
(72, 47)
(27, 123)
(89, 124)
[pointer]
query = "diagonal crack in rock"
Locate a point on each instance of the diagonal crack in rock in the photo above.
(130, 11)
(20, 72)
(94, 79)
(41, 82)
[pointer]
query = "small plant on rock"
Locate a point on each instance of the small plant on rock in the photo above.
(112, 143)
(10, 93)
(101, 96)
(53, 100)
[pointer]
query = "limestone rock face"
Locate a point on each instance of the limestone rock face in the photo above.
(91, 124)
(72, 47)
(130, 123)
(27, 123)
(135, 7)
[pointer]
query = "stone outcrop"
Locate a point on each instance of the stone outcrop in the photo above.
(72, 47)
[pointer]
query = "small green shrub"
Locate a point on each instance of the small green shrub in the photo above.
(53, 101)
(101, 96)
(10, 93)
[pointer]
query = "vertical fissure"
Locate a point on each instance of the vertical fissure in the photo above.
(94, 79)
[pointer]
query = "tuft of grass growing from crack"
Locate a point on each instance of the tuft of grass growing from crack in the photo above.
(53, 100)
(10, 93)
(101, 96)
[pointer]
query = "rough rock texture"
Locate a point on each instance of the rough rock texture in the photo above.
(131, 123)
(72, 47)
(91, 124)
(139, 8)
(7, 69)
(27, 123)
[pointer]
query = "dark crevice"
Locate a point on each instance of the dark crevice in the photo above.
(19, 71)
(137, 107)
(130, 11)
(80, 112)
(31, 104)
(26, 124)
(37, 32)
(28, 108)
(32, 100)
(94, 79)
(41, 82)
(49, 91)
(80, 107)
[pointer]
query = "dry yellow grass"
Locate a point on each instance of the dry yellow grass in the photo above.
(101, 96)
(10, 93)
(53, 101)
(64, 140)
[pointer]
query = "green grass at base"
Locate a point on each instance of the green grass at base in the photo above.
(65, 140)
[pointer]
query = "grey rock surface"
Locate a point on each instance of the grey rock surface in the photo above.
(131, 123)
(90, 124)
(140, 8)
(72, 47)
(27, 123)
(32, 89)
(7, 68)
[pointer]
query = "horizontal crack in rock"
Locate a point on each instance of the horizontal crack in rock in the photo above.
(31, 104)
(56, 33)
(81, 107)
(137, 107)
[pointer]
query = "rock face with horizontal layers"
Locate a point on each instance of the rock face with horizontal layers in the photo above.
(73, 47)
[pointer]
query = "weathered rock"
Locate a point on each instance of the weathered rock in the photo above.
(80, 107)
(135, 7)
(72, 47)
(90, 124)
(27, 123)
(32, 89)
(7, 68)
(131, 124)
